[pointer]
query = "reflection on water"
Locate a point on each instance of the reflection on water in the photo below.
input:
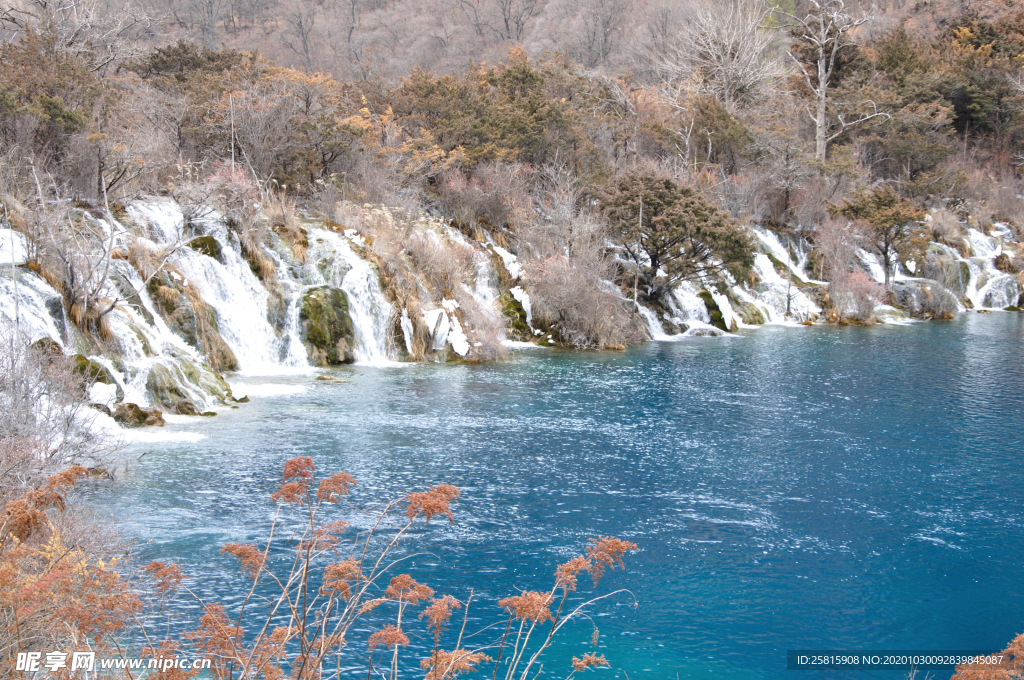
(790, 488)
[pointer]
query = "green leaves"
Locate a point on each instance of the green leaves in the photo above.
(681, 235)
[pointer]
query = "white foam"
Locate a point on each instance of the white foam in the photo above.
(266, 390)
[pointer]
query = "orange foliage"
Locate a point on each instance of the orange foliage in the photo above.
(166, 577)
(295, 484)
(438, 613)
(432, 503)
(588, 661)
(404, 588)
(565, 574)
(607, 552)
(27, 515)
(337, 577)
(335, 486)
(450, 664)
(388, 636)
(249, 555)
(1012, 667)
(529, 606)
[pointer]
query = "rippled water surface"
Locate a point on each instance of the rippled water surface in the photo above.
(853, 488)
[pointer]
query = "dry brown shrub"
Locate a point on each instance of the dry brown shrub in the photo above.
(443, 265)
(946, 228)
(485, 328)
(569, 273)
(495, 194)
(1011, 668)
(853, 296)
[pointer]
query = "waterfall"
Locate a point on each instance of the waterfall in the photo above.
(229, 286)
(775, 294)
(330, 260)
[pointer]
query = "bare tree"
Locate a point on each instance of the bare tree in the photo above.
(600, 26)
(515, 14)
(99, 33)
(824, 31)
(298, 36)
(725, 49)
(502, 19)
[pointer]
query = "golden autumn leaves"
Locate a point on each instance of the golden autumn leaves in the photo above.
(310, 620)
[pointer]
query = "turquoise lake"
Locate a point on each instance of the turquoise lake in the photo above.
(789, 488)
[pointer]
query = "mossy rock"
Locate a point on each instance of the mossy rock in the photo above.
(748, 312)
(516, 315)
(164, 387)
(326, 326)
(717, 318)
(92, 370)
(192, 320)
(207, 245)
(187, 407)
(48, 346)
(133, 415)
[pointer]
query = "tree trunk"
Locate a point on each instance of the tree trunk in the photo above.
(820, 120)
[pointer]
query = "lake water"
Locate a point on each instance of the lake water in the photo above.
(854, 488)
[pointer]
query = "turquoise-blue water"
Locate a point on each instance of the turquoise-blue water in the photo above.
(854, 488)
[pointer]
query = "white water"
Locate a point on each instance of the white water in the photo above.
(242, 303)
(331, 260)
(779, 297)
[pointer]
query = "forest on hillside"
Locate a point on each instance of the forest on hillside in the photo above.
(548, 124)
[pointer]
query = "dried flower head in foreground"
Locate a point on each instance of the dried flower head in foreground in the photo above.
(403, 587)
(388, 636)
(1011, 668)
(27, 515)
(166, 576)
(529, 606)
(334, 487)
(432, 502)
(565, 574)
(248, 555)
(337, 577)
(439, 612)
(295, 482)
(607, 552)
(589, 660)
(450, 664)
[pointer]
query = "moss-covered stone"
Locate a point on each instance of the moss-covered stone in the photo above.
(187, 407)
(717, 318)
(47, 346)
(326, 326)
(207, 245)
(192, 320)
(748, 312)
(164, 388)
(518, 329)
(133, 415)
(93, 371)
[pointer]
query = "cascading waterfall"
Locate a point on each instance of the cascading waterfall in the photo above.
(230, 287)
(330, 260)
(261, 322)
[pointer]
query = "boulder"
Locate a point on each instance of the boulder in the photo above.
(133, 415)
(192, 320)
(48, 346)
(187, 407)
(717, 318)
(207, 245)
(326, 326)
(747, 311)
(93, 371)
(164, 388)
